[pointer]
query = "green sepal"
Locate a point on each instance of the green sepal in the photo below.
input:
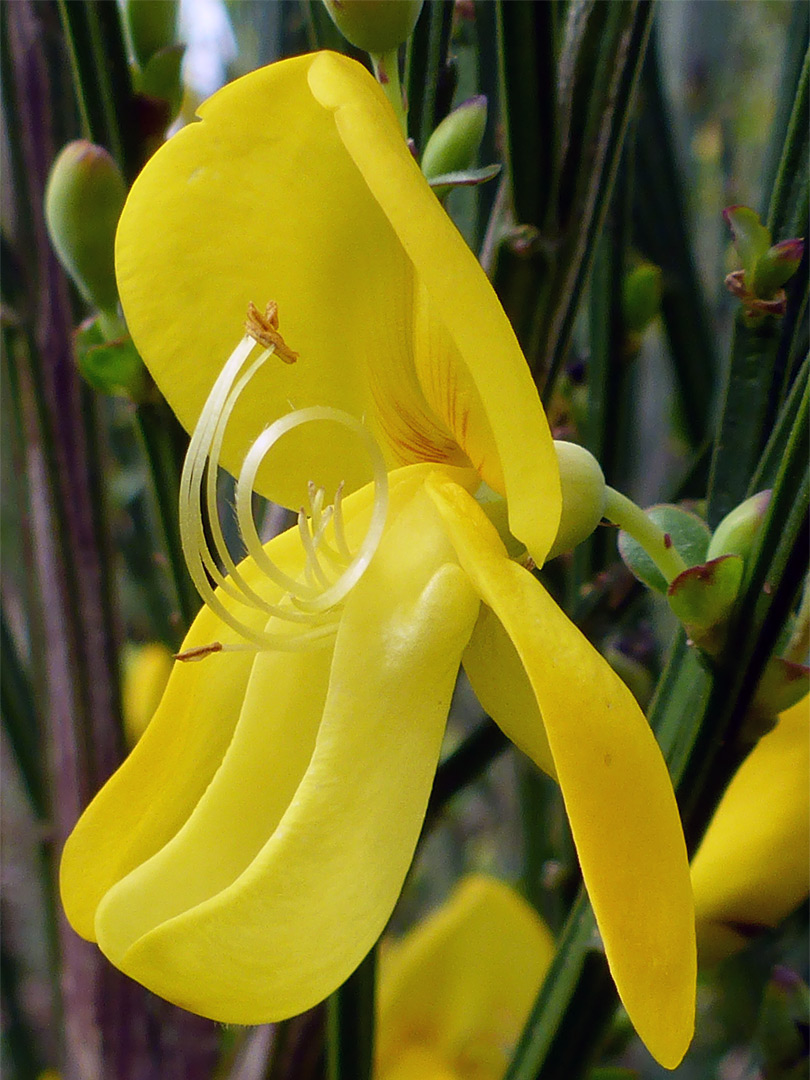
(690, 536)
(702, 598)
(783, 683)
(111, 367)
(751, 238)
(444, 184)
(161, 78)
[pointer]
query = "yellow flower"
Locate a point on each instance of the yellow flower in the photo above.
(146, 672)
(455, 992)
(250, 851)
(753, 866)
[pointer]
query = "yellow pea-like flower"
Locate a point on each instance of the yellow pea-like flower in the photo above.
(454, 993)
(249, 852)
(752, 868)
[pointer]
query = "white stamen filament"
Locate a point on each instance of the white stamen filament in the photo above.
(331, 569)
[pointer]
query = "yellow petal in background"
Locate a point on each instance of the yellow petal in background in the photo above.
(146, 671)
(494, 371)
(458, 988)
(753, 867)
(310, 902)
(615, 784)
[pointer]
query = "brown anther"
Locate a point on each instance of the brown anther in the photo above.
(264, 329)
(199, 652)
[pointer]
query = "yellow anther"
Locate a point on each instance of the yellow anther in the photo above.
(264, 330)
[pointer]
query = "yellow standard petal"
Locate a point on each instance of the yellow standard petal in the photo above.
(297, 187)
(481, 372)
(460, 986)
(288, 868)
(615, 784)
(753, 867)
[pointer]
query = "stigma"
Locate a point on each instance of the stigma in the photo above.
(308, 611)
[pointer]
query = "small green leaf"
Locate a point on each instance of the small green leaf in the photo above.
(751, 238)
(689, 534)
(702, 598)
(445, 183)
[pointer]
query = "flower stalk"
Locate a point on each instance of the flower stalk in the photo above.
(623, 512)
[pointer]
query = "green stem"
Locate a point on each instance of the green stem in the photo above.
(624, 513)
(351, 1024)
(386, 71)
(577, 985)
(158, 430)
(799, 643)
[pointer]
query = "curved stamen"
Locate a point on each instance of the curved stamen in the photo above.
(247, 477)
(330, 569)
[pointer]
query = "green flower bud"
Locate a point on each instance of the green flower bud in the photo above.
(777, 266)
(641, 297)
(751, 238)
(736, 533)
(375, 26)
(583, 496)
(83, 201)
(454, 144)
(151, 26)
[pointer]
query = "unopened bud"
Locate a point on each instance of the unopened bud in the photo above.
(454, 144)
(83, 201)
(151, 26)
(583, 496)
(737, 532)
(375, 26)
(641, 297)
(751, 238)
(777, 266)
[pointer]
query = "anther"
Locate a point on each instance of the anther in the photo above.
(199, 653)
(264, 330)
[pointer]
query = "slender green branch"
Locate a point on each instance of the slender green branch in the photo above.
(386, 70)
(350, 1024)
(624, 513)
(159, 434)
